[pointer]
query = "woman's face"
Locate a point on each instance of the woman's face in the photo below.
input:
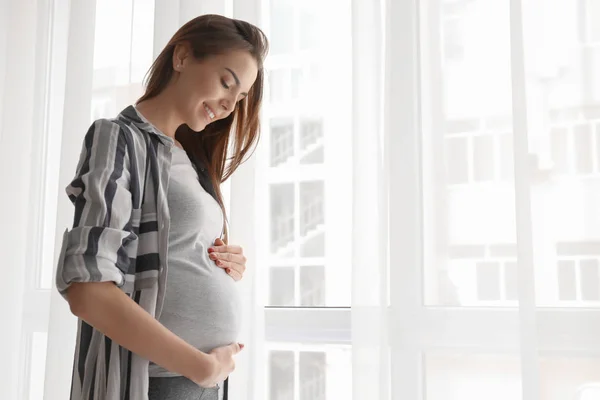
(208, 90)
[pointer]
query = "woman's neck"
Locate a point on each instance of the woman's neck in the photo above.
(161, 112)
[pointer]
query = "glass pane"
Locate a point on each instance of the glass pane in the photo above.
(309, 216)
(282, 27)
(282, 219)
(457, 160)
(282, 141)
(569, 378)
(123, 53)
(590, 280)
(282, 286)
(560, 149)
(312, 286)
(313, 376)
(511, 281)
(483, 158)
(37, 365)
(567, 289)
(507, 166)
(468, 195)
(488, 281)
(310, 20)
(282, 366)
(312, 201)
(583, 148)
(563, 104)
(279, 85)
(472, 377)
(305, 372)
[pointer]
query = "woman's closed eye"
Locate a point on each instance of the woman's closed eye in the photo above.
(225, 85)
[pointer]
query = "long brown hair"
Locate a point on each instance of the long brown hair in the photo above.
(210, 35)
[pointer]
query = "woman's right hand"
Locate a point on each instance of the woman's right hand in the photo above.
(223, 363)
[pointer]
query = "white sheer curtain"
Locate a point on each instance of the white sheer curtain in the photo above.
(483, 279)
(439, 184)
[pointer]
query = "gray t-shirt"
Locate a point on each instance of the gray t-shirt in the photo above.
(202, 303)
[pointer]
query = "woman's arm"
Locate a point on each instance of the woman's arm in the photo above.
(112, 312)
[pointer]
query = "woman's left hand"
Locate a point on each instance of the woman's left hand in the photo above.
(230, 258)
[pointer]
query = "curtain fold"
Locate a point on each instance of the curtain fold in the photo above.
(370, 301)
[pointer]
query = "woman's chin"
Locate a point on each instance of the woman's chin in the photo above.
(197, 126)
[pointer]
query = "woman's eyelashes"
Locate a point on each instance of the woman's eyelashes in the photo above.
(225, 85)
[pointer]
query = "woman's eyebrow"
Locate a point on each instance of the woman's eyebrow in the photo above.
(237, 80)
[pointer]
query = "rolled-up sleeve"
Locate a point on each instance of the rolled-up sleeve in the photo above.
(98, 247)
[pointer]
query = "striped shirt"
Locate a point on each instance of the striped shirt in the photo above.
(120, 234)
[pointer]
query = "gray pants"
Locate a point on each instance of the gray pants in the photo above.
(179, 388)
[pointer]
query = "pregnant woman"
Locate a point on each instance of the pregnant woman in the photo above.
(146, 267)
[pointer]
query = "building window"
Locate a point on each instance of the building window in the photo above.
(282, 218)
(578, 271)
(484, 273)
(282, 371)
(312, 375)
(575, 143)
(477, 151)
(282, 142)
(309, 367)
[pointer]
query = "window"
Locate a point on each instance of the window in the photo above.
(308, 213)
(478, 150)
(578, 272)
(309, 372)
(575, 144)
(484, 274)
(122, 53)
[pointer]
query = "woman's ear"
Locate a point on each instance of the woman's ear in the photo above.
(180, 54)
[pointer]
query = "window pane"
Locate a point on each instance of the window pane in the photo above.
(313, 379)
(281, 366)
(483, 158)
(511, 281)
(590, 280)
(469, 203)
(583, 148)
(309, 372)
(123, 53)
(282, 286)
(310, 19)
(488, 281)
(567, 283)
(279, 85)
(282, 219)
(472, 377)
(282, 141)
(307, 170)
(560, 149)
(312, 286)
(282, 27)
(507, 166)
(593, 14)
(37, 366)
(457, 160)
(564, 110)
